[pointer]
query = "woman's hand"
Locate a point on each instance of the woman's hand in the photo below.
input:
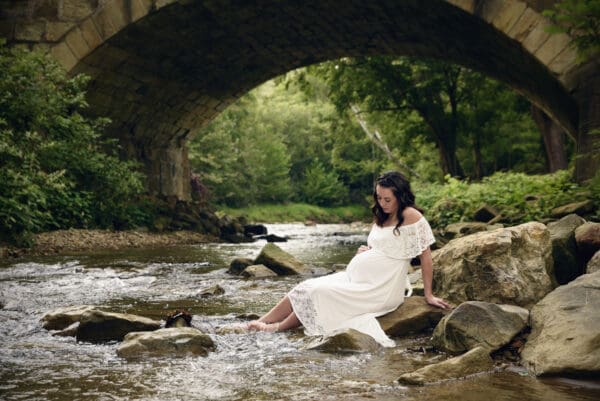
(362, 249)
(439, 302)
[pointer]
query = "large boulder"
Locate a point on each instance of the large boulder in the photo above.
(349, 340)
(565, 330)
(413, 316)
(504, 266)
(594, 264)
(280, 261)
(180, 341)
(62, 318)
(475, 361)
(567, 264)
(474, 324)
(587, 237)
(97, 326)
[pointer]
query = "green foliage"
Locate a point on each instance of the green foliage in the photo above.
(580, 19)
(593, 186)
(241, 156)
(323, 187)
(517, 196)
(55, 169)
(498, 127)
(301, 121)
(419, 103)
(299, 212)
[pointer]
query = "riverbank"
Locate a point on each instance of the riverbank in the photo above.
(80, 240)
(85, 240)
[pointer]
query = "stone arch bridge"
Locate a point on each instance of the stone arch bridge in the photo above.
(163, 68)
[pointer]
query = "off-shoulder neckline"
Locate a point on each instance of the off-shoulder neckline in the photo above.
(404, 225)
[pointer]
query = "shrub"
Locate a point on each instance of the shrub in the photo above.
(517, 196)
(56, 171)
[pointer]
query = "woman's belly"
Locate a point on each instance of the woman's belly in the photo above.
(373, 267)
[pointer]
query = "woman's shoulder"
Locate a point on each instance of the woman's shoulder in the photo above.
(411, 215)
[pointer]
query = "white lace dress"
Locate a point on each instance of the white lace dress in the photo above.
(373, 284)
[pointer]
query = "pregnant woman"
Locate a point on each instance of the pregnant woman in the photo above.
(375, 281)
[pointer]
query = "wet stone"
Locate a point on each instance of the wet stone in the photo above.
(168, 342)
(97, 326)
(212, 291)
(347, 341)
(62, 318)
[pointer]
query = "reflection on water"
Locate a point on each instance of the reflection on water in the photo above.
(253, 366)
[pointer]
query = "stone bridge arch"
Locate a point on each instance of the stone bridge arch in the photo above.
(162, 68)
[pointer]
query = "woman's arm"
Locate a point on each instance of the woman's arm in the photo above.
(427, 273)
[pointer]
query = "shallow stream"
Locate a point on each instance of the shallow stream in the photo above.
(34, 365)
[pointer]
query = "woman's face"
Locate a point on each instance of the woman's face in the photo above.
(387, 200)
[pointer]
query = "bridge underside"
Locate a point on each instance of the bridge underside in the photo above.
(173, 70)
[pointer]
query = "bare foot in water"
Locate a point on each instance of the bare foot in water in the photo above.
(262, 326)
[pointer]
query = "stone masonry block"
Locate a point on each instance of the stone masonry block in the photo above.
(139, 9)
(467, 5)
(161, 3)
(74, 10)
(508, 14)
(537, 36)
(55, 30)
(565, 61)
(63, 54)
(524, 25)
(77, 43)
(536, 39)
(488, 9)
(552, 47)
(90, 33)
(120, 13)
(30, 31)
(111, 19)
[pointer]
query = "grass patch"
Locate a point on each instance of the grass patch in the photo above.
(299, 212)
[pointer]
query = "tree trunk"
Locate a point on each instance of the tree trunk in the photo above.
(448, 159)
(444, 132)
(377, 140)
(478, 157)
(554, 140)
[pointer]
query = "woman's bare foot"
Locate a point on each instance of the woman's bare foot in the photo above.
(262, 326)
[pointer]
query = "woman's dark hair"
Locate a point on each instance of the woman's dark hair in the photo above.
(400, 186)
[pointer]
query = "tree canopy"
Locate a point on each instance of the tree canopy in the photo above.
(329, 129)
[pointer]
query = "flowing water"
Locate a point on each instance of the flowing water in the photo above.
(34, 365)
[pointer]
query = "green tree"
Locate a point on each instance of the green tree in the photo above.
(322, 187)
(241, 156)
(56, 171)
(478, 125)
(214, 154)
(496, 130)
(429, 88)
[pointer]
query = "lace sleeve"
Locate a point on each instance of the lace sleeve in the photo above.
(409, 242)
